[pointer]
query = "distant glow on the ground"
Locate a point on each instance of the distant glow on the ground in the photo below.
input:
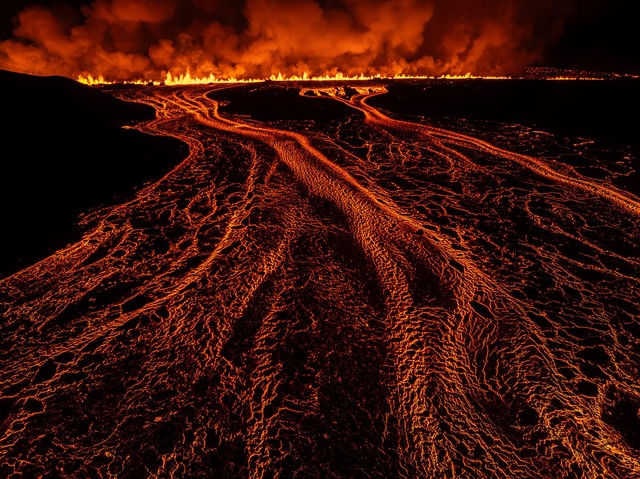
(188, 79)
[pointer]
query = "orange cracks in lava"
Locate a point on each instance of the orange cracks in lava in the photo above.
(464, 307)
(374, 116)
(302, 303)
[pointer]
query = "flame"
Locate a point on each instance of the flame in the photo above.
(188, 79)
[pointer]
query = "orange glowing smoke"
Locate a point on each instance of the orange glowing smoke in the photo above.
(133, 39)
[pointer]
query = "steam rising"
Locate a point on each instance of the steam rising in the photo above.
(133, 39)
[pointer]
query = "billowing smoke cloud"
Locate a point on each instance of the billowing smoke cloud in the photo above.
(134, 39)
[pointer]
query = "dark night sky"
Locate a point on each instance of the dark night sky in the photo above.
(597, 35)
(602, 37)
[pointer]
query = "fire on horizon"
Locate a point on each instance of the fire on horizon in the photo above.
(124, 40)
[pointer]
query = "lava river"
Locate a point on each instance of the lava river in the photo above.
(373, 296)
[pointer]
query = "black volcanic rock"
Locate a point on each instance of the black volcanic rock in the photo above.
(275, 101)
(64, 152)
(35, 98)
(601, 110)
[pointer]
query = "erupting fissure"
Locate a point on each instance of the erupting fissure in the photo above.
(188, 79)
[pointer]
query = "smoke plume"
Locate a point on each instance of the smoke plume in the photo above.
(146, 39)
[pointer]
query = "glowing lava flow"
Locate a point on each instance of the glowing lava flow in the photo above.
(460, 141)
(360, 297)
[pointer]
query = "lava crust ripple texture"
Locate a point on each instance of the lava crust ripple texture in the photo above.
(371, 295)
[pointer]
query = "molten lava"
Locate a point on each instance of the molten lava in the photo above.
(357, 293)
